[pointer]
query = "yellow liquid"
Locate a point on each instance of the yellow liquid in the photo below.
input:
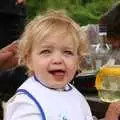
(108, 83)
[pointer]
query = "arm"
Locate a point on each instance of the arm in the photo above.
(113, 111)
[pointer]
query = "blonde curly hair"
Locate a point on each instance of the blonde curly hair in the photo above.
(44, 25)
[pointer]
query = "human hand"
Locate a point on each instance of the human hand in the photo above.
(113, 111)
(20, 1)
(8, 56)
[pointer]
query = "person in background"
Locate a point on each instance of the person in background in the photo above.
(112, 20)
(50, 48)
(12, 20)
(10, 72)
(11, 76)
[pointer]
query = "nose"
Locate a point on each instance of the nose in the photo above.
(57, 58)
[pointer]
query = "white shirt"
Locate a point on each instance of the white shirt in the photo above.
(53, 104)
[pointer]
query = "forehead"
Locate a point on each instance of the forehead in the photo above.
(59, 38)
(61, 35)
(59, 30)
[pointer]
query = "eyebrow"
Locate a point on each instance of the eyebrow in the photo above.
(46, 46)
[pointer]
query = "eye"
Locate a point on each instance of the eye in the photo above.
(68, 52)
(45, 51)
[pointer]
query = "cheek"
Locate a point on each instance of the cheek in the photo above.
(40, 70)
(38, 65)
(72, 70)
(73, 65)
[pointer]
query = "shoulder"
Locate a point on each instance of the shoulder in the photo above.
(19, 101)
(20, 105)
(78, 95)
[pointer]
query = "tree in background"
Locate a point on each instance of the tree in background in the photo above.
(83, 11)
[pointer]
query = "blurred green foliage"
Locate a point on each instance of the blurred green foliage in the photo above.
(82, 11)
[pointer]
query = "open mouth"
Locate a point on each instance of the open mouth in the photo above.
(58, 74)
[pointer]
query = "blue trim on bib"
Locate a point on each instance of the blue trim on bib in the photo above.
(36, 102)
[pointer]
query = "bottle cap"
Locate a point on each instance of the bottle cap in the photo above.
(102, 29)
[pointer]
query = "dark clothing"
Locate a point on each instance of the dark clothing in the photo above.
(11, 27)
(85, 84)
(10, 80)
(12, 21)
(10, 7)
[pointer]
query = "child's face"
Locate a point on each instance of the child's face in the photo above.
(54, 60)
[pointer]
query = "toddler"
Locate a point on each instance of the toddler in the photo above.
(51, 48)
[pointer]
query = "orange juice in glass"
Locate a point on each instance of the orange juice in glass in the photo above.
(108, 83)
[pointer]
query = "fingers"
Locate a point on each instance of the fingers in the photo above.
(5, 56)
(8, 56)
(113, 111)
(110, 115)
(20, 1)
(12, 47)
(12, 62)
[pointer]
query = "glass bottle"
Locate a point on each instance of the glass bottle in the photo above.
(108, 77)
(102, 48)
(108, 83)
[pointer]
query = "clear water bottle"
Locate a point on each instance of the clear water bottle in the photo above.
(108, 78)
(102, 48)
(108, 83)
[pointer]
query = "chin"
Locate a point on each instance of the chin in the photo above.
(59, 86)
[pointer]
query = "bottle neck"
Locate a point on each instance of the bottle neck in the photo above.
(102, 34)
(102, 39)
(102, 46)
